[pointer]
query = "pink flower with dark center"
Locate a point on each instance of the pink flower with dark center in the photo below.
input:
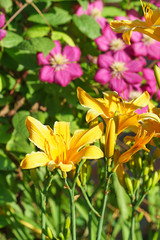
(2, 22)
(109, 40)
(94, 9)
(59, 66)
(119, 71)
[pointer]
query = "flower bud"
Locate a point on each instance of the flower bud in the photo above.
(110, 137)
(67, 231)
(85, 172)
(146, 170)
(49, 233)
(136, 184)
(139, 163)
(129, 185)
(148, 183)
(155, 178)
(61, 236)
(157, 75)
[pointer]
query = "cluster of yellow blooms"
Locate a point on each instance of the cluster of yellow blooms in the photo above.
(60, 150)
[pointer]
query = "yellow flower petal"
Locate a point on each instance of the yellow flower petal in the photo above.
(39, 134)
(127, 36)
(90, 152)
(87, 101)
(150, 27)
(125, 121)
(63, 129)
(33, 160)
(84, 137)
(65, 167)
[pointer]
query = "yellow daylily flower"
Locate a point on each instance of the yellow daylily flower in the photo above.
(150, 27)
(141, 139)
(113, 106)
(117, 113)
(59, 149)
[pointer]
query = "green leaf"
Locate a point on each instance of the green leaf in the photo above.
(84, 4)
(4, 130)
(62, 36)
(111, 11)
(5, 194)
(34, 45)
(3, 222)
(11, 40)
(87, 25)
(6, 4)
(57, 17)
(36, 31)
(19, 140)
(5, 163)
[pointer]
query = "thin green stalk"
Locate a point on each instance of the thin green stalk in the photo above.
(43, 220)
(72, 201)
(100, 223)
(88, 201)
(131, 237)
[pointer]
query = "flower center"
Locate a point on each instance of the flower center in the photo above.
(116, 44)
(118, 69)
(95, 13)
(147, 40)
(59, 61)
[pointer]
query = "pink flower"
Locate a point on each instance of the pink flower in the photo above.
(146, 46)
(150, 85)
(155, 2)
(109, 40)
(2, 22)
(119, 71)
(60, 66)
(94, 9)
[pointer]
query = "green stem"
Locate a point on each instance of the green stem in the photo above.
(131, 237)
(43, 220)
(72, 202)
(88, 201)
(100, 223)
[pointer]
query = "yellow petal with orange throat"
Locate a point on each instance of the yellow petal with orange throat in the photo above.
(39, 134)
(33, 160)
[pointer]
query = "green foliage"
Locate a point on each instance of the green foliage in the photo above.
(87, 25)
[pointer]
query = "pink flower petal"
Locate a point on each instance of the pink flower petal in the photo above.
(139, 49)
(43, 60)
(118, 85)
(72, 53)
(2, 20)
(108, 33)
(75, 70)
(102, 76)
(2, 34)
(98, 4)
(62, 77)
(132, 78)
(121, 56)
(102, 21)
(46, 74)
(56, 49)
(154, 51)
(134, 66)
(102, 43)
(105, 60)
